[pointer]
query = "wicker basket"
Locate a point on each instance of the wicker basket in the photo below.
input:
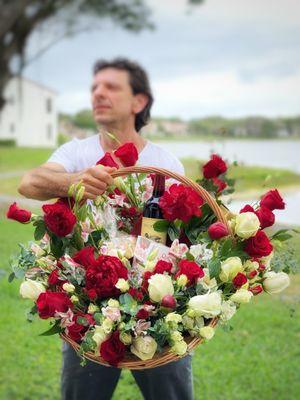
(131, 361)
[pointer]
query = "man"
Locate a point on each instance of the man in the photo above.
(121, 100)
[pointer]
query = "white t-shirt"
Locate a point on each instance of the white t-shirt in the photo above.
(79, 154)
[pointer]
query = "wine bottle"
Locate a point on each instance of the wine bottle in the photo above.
(152, 212)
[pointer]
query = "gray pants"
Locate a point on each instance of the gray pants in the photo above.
(172, 381)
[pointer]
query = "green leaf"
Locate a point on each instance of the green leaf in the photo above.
(52, 331)
(40, 230)
(161, 226)
(11, 277)
(173, 232)
(214, 267)
(282, 237)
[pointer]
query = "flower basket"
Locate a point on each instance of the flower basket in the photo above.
(166, 356)
(124, 299)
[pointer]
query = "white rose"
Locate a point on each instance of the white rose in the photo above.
(100, 335)
(143, 347)
(206, 305)
(266, 261)
(229, 268)
(174, 317)
(30, 289)
(246, 224)
(179, 348)
(275, 282)
(228, 310)
(68, 287)
(241, 296)
(122, 285)
(207, 332)
(159, 286)
(92, 308)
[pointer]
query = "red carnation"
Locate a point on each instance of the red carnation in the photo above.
(180, 202)
(85, 256)
(103, 275)
(218, 230)
(272, 200)
(191, 269)
(18, 214)
(128, 154)
(59, 218)
(214, 167)
(113, 350)
(107, 161)
(48, 303)
(247, 208)
(265, 216)
(142, 314)
(162, 266)
(221, 185)
(239, 280)
(259, 245)
(77, 330)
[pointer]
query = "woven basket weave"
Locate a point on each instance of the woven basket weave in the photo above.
(131, 361)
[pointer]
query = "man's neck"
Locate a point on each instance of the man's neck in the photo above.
(121, 136)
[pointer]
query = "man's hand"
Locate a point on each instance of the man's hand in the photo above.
(95, 179)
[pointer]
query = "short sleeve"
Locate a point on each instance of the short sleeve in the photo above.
(66, 155)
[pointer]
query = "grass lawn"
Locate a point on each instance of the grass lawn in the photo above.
(19, 158)
(258, 359)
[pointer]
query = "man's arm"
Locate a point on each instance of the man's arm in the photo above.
(51, 180)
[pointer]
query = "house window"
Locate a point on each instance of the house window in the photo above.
(49, 132)
(48, 105)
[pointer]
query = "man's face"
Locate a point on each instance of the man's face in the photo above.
(112, 97)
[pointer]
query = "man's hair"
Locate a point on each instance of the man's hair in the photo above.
(139, 83)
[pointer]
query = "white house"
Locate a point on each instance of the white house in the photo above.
(30, 116)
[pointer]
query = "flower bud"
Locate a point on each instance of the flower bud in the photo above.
(30, 289)
(68, 287)
(207, 332)
(275, 282)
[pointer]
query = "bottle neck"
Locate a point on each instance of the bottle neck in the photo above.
(159, 185)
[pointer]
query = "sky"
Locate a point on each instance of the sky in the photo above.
(231, 58)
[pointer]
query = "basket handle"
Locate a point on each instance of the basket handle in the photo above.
(220, 212)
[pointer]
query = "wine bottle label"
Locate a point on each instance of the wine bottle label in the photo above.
(150, 233)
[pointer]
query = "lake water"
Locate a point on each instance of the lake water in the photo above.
(266, 153)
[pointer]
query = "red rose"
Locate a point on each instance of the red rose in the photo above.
(54, 278)
(162, 266)
(247, 208)
(113, 350)
(107, 161)
(142, 314)
(252, 274)
(191, 269)
(272, 200)
(135, 293)
(256, 289)
(239, 280)
(265, 216)
(214, 167)
(103, 275)
(48, 303)
(85, 256)
(259, 245)
(18, 214)
(168, 301)
(221, 185)
(180, 202)
(59, 218)
(128, 154)
(147, 275)
(67, 201)
(77, 330)
(218, 230)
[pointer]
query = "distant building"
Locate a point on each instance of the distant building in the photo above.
(30, 115)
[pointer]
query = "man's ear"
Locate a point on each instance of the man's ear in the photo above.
(139, 103)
